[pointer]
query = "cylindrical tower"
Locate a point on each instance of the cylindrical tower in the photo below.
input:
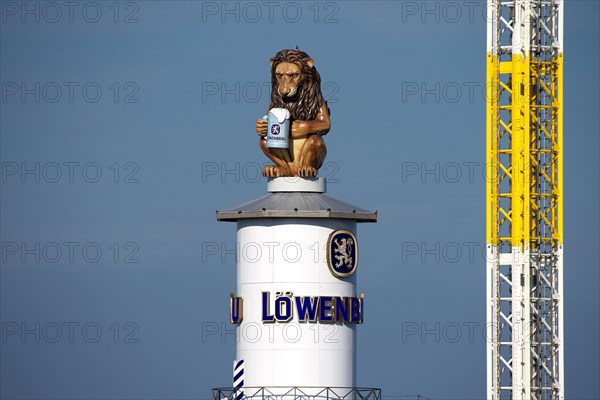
(296, 305)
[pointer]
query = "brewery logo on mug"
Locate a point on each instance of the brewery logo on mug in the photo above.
(278, 131)
(342, 253)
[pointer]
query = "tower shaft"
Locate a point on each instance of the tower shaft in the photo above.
(524, 202)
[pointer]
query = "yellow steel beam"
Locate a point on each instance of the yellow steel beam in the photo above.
(559, 156)
(492, 175)
(521, 147)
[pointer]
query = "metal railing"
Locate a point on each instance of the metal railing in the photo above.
(297, 393)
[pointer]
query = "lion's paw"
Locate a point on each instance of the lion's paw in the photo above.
(307, 171)
(273, 171)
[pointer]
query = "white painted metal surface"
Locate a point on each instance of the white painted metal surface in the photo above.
(289, 254)
(296, 184)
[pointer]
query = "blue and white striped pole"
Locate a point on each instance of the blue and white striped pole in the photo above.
(238, 379)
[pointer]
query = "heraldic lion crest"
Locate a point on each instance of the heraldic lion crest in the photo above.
(296, 86)
(342, 253)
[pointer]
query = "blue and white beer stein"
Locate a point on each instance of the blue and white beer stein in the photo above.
(278, 131)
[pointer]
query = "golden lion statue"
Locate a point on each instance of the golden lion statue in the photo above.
(296, 86)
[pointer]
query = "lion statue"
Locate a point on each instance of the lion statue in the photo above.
(296, 86)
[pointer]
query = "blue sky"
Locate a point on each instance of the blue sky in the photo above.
(125, 126)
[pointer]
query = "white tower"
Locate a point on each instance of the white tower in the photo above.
(296, 306)
(524, 291)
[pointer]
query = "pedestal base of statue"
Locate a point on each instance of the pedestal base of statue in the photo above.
(284, 266)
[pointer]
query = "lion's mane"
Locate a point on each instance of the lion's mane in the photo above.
(305, 105)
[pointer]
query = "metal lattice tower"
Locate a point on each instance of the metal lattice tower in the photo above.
(524, 273)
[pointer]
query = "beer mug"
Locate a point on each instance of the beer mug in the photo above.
(278, 130)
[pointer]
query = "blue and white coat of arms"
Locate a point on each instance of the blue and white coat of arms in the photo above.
(342, 253)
